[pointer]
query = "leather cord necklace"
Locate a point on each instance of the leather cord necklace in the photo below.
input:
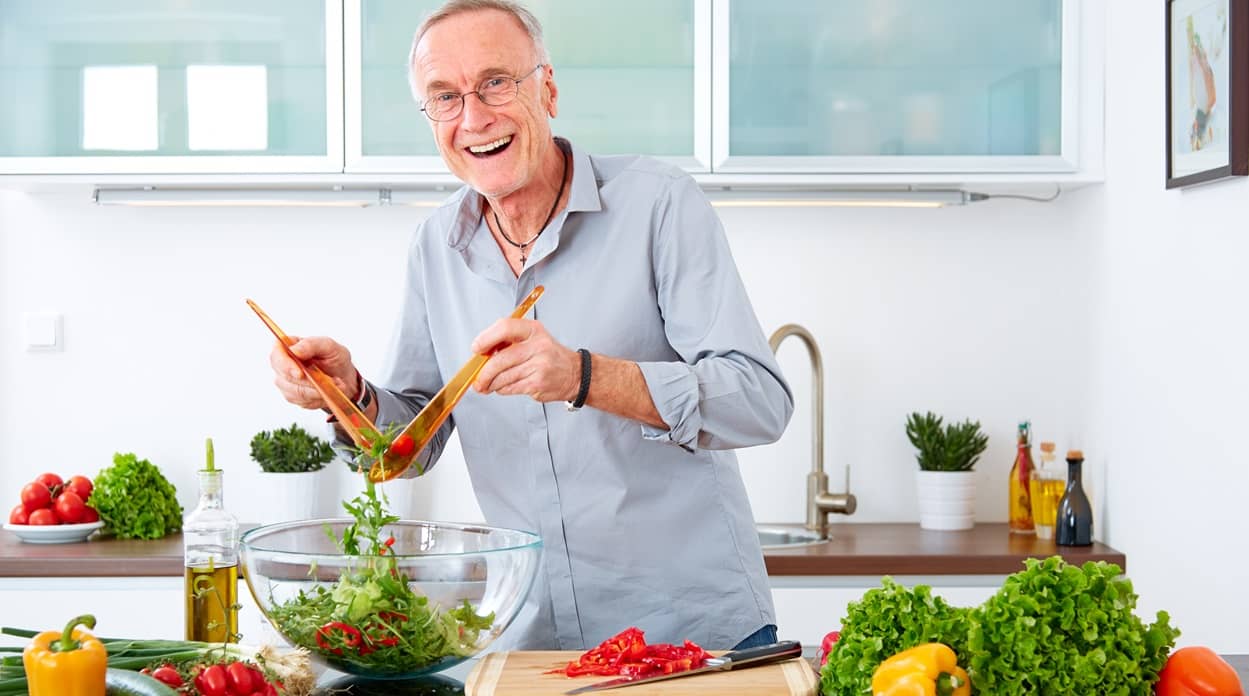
(523, 246)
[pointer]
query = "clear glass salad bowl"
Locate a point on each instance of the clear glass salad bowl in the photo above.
(436, 595)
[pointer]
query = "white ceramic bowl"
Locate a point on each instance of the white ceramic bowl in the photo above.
(53, 533)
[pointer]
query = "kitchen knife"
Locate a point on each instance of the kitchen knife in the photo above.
(749, 657)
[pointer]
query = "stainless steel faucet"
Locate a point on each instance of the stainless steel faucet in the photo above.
(819, 501)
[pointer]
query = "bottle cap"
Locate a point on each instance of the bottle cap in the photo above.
(1075, 454)
(1047, 447)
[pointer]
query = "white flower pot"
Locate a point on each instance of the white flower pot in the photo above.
(947, 499)
(304, 495)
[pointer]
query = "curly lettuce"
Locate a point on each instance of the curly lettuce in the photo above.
(884, 622)
(1056, 628)
(135, 500)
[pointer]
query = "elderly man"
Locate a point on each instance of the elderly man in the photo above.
(606, 422)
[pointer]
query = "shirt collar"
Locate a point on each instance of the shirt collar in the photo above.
(583, 196)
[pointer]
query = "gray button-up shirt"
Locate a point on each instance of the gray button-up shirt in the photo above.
(640, 526)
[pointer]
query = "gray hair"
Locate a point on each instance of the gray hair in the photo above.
(456, 7)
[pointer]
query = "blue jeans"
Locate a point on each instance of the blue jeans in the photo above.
(764, 636)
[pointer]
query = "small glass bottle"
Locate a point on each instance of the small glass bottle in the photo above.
(210, 537)
(1075, 514)
(1020, 483)
(1048, 483)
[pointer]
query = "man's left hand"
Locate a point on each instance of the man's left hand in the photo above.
(526, 361)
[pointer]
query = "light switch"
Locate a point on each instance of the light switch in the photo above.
(43, 331)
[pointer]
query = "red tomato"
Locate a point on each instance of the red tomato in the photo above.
(69, 508)
(89, 514)
(43, 517)
(80, 485)
(402, 446)
(240, 678)
(167, 675)
(212, 681)
(19, 515)
(35, 495)
(49, 480)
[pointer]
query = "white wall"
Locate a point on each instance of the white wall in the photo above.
(1172, 375)
(962, 311)
(1109, 318)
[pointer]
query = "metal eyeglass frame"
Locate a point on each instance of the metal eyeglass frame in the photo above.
(459, 109)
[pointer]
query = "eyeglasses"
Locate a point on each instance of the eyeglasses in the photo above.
(493, 91)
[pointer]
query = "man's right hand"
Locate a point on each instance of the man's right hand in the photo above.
(334, 360)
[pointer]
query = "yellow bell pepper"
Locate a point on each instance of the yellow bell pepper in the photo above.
(66, 663)
(924, 670)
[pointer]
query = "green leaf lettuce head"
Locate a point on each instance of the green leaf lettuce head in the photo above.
(884, 622)
(135, 500)
(1056, 628)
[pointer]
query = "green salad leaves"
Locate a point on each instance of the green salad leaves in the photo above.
(1052, 628)
(1063, 629)
(372, 617)
(135, 500)
(884, 622)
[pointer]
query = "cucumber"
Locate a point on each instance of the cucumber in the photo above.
(123, 682)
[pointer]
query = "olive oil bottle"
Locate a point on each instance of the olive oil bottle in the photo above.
(210, 553)
(1020, 505)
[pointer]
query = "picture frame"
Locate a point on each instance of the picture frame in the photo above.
(1207, 91)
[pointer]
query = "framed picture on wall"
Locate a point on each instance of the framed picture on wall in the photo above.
(1207, 57)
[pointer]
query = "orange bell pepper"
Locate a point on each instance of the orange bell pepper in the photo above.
(924, 670)
(1197, 671)
(66, 663)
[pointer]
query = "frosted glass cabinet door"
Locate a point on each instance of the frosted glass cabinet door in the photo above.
(634, 77)
(834, 86)
(193, 86)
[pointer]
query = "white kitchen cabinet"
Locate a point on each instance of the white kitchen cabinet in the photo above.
(124, 607)
(807, 607)
(901, 86)
(226, 86)
(738, 92)
(633, 77)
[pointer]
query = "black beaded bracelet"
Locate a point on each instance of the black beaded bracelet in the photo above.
(584, 390)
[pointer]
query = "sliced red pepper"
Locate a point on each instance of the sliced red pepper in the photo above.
(627, 654)
(334, 636)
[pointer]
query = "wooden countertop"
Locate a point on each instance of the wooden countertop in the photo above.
(855, 549)
(905, 549)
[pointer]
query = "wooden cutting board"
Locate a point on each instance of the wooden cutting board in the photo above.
(520, 673)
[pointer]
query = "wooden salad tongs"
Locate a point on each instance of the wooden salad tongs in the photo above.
(409, 442)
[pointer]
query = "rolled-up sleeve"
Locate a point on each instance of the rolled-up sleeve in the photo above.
(729, 391)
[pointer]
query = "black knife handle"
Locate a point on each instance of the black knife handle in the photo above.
(763, 654)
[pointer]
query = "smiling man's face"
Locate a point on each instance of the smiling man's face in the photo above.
(496, 150)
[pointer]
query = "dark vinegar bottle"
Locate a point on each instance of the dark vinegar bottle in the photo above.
(1075, 516)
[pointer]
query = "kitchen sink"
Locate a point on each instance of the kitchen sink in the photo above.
(787, 537)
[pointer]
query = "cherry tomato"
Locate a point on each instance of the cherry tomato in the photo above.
(89, 514)
(35, 496)
(241, 680)
(69, 508)
(167, 675)
(402, 446)
(212, 681)
(19, 515)
(80, 485)
(50, 480)
(43, 516)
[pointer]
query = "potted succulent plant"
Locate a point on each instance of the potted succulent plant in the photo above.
(293, 462)
(945, 480)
